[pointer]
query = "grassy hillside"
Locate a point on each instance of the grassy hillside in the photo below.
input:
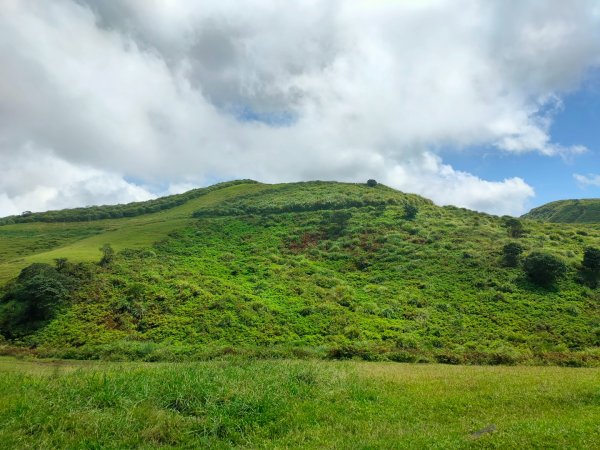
(295, 404)
(77, 238)
(568, 211)
(324, 269)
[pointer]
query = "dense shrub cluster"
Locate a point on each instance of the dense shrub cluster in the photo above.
(544, 268)
(33, 298)
(511, 253)
(311, 196)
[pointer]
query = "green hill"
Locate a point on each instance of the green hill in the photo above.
(568, 211)
(314, 268)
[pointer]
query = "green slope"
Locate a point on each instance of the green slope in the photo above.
(310, 268)
(37, 241)
(568, 211)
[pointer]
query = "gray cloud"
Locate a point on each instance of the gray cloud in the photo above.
(180, 94)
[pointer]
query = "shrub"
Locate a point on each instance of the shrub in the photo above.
(543, 268)
(591, 266)
(410, 211)
(32, 299)
(335, 223)
(371, 183)
(108, 255)
(591, 259)
(511, 253)
(514, 227)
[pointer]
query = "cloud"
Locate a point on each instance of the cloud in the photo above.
(30, 182)
(450, 187)
(587, 180)
(181, 94)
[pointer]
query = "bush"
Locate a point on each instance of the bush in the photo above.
(32, 299)
(511, 253)
(543, 268)
(335, 223)
(591, 259)
(591, 266)
(371, 183)
(514, 227)
(108, 255)
(410, 211)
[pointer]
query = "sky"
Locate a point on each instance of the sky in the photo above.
(492, 105)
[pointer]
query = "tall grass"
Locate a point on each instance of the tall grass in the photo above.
(295, 404)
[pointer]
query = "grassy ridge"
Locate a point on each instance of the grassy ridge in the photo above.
(293, 404)
(568, 211)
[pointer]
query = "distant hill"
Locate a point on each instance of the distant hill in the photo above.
(326, 268)
(567, 211)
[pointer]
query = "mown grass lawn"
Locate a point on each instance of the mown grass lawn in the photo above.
(295, 404)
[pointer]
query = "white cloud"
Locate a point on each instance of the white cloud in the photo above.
(37, 180)
(587, 180)
(154, 91)
(450, 187)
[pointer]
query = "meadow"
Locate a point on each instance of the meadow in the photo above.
(241, 403)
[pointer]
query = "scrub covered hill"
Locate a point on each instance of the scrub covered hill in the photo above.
(317, 268)
(568, 211)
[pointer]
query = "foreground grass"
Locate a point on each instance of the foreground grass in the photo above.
(295, 404)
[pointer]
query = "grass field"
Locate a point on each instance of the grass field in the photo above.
(295, 404)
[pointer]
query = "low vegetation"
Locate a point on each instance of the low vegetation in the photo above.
(239, 403)
(323, 270)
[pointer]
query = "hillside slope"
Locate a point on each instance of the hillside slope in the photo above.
(317, 267)
(73, 234)
(568, 211)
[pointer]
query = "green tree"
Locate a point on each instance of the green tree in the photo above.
(544, 269)
(32, 299)
(591, 259)
(514, 227)
(410, 211)
(371, 183)
(591, 266)
(511, 253)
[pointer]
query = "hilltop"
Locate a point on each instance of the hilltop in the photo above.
(568, 211)
(313, 268)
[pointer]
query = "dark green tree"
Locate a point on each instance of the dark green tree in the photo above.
(410, 211)
(511, 253)
(590, 266)
(544, 269)
(32, 299)
(591, 259)
(371, 183)
(514, 227)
